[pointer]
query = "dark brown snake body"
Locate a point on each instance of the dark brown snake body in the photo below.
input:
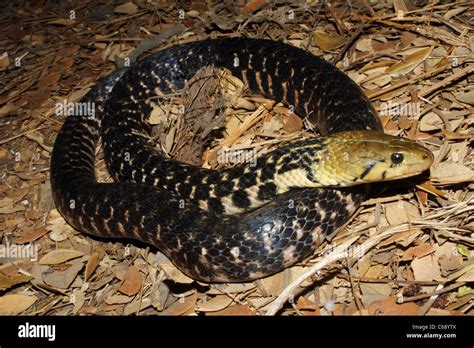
(271, 231)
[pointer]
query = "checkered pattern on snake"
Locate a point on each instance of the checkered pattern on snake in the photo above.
(215, 226)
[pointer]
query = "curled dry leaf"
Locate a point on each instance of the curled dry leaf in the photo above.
(328, 42)
(92, 264)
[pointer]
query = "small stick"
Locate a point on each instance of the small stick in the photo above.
(348, 44)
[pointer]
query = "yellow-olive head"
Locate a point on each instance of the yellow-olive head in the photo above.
(358, 157)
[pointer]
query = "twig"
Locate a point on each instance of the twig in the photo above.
(435, 293)
(348, 44)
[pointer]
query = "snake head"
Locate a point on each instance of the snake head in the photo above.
(358, 157)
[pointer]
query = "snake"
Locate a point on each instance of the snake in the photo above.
(236, 224)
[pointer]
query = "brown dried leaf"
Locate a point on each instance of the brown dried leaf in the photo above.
(425, 268)
(92, 264)
(417, 251)
(431, 121)
(240, 310)
(63, 21)
(62, 279)
(252, 6)
(7, 282)
(400, 212)
(28, 236)
(175, 274)
(410, 62)
(59, 256)
(15, 303)
(4, 60)
(449, 172)
(78, 300)
(182, 305)
(7, 206)
(48, 80)
(127, 8)
(328, 42)
(449, 263)
(292, 123)
(132, 283)
(215, 304)
(118, 299)
(391, 307)
(467, 97)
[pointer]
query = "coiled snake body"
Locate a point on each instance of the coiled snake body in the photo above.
(241, 223)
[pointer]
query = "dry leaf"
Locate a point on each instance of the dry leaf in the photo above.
(127, 8)
(292, 123)
(417, 251)
(449, 172)
(215, 304)
(252, 6)
(400, 212)
(467, 97)
(410, 62)
(231, 288)
(328, 42)
(118, 299)
(175, 274)
(431, 121)
(240, 310)
(7, 282)
(425, 268)
(59, 256)
(63, 21)
(391, 307)
(63, 279)
(4, 60)
(78, 300)
(15, 303)
(182, 305)
(450, 263)
(132, 283)
(382, 289)
(92, 264)
(305, 304)
(30, 235)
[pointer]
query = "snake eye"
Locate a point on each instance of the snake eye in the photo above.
(397, 158)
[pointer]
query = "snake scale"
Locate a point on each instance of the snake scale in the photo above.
(236, 224)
